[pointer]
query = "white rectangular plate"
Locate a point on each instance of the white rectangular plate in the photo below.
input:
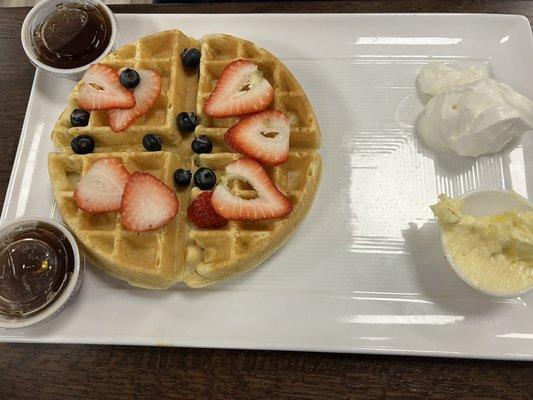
(365, 272)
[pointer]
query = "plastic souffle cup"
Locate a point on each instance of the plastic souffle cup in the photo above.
(480, 203)
(35, 18)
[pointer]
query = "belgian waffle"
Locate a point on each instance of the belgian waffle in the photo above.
(179, 251)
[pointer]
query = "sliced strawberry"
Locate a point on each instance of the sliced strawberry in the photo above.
(100, 190)
(145, 93)
(202, 214)
(241, 89)
(147, 203)
(101, 90)
(269, 203)
(263, 136)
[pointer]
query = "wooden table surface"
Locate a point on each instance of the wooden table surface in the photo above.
(32, 371)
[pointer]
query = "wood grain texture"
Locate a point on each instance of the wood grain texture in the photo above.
(30, 371)
(112, 372)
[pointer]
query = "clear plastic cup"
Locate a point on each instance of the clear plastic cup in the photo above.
(68, 290)
(480, 203)
(38, 14)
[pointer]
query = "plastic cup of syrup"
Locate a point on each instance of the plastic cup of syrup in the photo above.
(41, 270)
(63, 37)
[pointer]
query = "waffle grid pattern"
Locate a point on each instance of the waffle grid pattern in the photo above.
(161, 53)
(179, 251)
(242, 245)
(151, 258)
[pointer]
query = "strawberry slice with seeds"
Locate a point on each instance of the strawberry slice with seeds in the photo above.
(147, 203)
(269, 203)
(145, 94)
(101, 90)
(100, 190)
(263, 136)
(201, 213)
(241, 89)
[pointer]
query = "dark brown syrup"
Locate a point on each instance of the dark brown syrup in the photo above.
(73, 35)
(36, 263)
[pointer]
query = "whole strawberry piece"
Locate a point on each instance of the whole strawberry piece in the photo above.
(202, 214)
(241, 89)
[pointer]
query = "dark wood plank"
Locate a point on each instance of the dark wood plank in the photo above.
(29, 371)
(16, 77)
(109, 372)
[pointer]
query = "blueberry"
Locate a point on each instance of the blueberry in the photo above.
(205, 178)
(201, 144)
(152, 142)
(182, 177)
(129, 78)
(190, 58)
(187, 121)
(82, 144)
(79, 117)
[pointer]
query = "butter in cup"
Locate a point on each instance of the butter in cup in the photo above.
(483, 235)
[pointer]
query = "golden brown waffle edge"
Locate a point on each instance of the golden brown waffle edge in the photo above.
(179, 251)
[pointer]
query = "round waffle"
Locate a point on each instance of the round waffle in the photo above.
(179, 251)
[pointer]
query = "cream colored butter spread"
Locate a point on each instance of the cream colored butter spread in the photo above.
(494, 252)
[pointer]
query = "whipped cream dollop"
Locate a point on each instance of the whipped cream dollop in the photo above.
(470, 114)
(436, 77)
